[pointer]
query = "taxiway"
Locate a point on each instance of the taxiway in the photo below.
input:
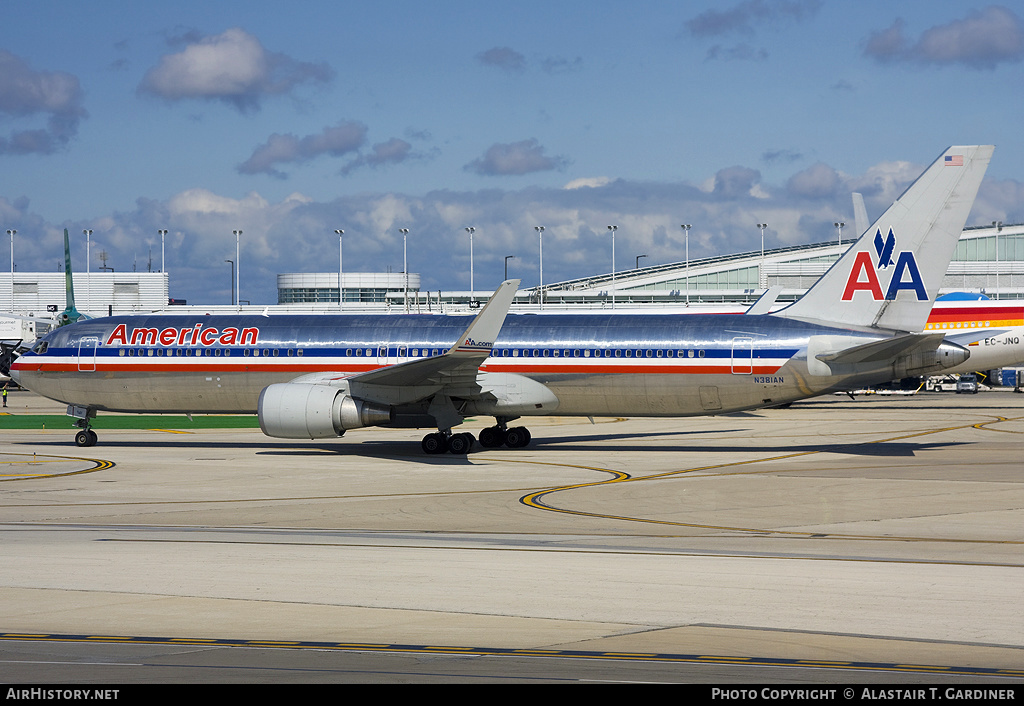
(884, 531)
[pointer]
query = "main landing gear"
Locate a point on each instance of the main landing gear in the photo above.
(439, 442)
(460, 444)
(498, 435)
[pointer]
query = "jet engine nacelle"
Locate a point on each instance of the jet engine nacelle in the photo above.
(947, 355)
(305, 411)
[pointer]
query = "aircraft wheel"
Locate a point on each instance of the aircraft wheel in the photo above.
(517, 437)
(434, 443)
(460, 444)
(491, 437)
(86, 437)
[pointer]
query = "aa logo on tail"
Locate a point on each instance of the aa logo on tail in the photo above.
(864, 273)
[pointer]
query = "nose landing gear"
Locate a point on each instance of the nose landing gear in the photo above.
(85, 436)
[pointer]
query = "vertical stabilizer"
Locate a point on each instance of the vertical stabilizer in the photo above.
(70, 314)
(888, 278)
(860, 214)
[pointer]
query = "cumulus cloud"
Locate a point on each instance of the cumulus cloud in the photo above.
(279, 149)
(293, 234)
(504, 58)
(783, 156)
(588, 183)
(394, 151)
(744, 17)
(233, 67)
(736, 182)
(818, 181)
(981, 40)
(514, 159)
(27, 92)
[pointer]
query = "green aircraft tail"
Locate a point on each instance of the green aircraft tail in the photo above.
(70, 314)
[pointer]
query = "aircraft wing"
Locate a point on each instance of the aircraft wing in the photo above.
(970, 338)
(460, 362)
(451, 374)
(885, 349)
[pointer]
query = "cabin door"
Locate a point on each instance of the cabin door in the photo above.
(742, 355)
(87, 354)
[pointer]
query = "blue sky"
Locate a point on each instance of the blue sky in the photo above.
(289, 120)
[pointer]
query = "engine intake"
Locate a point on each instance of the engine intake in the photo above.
(306, 411)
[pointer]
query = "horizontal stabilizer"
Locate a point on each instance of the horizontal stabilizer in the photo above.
(885, 349)
(902, 356)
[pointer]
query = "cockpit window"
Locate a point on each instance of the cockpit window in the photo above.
(41, 347)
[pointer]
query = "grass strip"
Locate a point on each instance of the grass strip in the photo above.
(132, 421)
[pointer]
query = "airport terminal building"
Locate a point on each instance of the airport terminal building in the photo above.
(98, 293)
(357, 287)
(989, 261)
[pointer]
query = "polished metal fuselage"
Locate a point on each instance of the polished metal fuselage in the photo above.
(649, 365)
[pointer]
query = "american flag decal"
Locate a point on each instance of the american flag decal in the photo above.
(954, 160)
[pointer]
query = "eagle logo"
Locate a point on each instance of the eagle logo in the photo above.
(884, 248)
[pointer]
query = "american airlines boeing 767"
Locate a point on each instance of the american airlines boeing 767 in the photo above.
(315, 377)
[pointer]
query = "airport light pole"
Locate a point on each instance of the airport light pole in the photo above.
(638, 261)
(998, 225)
(686, 229)
(839, 226)
(88, 274)
(12, 233)
(540, 290)
(238, 270)
(507, 258)
(341, 296)
(762, 278)
(612, 229)
(470, 230)
(405, 263)
(232, 263)
(162, 233)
